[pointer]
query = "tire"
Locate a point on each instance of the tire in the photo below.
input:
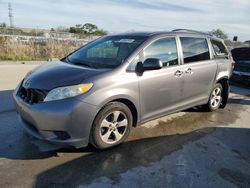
(215, 98)
(111, 126)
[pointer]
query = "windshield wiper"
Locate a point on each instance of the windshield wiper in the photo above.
(66, 60)
(82, 64)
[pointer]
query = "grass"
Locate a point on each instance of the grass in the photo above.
(12, 49)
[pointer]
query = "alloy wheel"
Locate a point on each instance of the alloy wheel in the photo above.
(216, 97)
(113, 127)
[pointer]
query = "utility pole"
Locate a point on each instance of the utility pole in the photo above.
(10, 15)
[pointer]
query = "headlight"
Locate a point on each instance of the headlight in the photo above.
(66, 92)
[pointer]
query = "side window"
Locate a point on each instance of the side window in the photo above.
(194, 49)
(164, 49)
(219, 48)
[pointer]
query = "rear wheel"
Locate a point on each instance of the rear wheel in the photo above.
(111, 126)
(215, 98)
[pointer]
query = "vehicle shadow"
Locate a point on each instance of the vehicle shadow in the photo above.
(114, 161)
(142, 153)
(14, 143)
(239, 101)
(196, 109)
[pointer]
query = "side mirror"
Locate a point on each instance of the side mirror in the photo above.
(149, 64)
(152, 64)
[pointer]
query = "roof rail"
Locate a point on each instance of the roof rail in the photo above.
(192, 31)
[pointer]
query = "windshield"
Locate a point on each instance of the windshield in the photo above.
(106, 52)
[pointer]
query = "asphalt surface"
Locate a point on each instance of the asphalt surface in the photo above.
(187, 149)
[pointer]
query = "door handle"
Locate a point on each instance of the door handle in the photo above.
(178, 73)
(189, 71)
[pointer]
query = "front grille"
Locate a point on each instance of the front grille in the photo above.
(32, 96)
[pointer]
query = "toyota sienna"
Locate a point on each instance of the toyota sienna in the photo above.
(100, 91)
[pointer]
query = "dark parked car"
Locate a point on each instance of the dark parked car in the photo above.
(241, 72)
(97, 93)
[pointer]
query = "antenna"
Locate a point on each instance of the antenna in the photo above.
(10, 15)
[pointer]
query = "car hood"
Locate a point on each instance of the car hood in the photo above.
(58, 74)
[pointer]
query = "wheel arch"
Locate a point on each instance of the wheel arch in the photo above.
(224, 81)
(128, 102)
(132, 108)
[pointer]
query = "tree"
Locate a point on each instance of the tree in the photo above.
(219, 33)
(72, 30)
(3, 24)
(77, 29)
(89, 28)
(101, 32)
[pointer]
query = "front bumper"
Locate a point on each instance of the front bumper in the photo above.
(65, 122)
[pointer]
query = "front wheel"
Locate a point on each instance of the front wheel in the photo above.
(111, 126)
(215, 98)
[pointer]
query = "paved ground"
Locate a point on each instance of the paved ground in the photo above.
(10, 75)
(186, 149)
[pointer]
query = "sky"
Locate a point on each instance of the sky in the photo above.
(232, 16)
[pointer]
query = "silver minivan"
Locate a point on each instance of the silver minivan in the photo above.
(99, 92)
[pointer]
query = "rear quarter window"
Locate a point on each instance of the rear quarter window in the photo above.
(219, 48)
(194, 49)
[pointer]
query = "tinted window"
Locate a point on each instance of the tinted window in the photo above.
(219, 48)
(164, 49)
(194, 49)
(106, 52)
(240, 54)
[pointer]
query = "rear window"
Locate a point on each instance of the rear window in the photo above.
(194, 49)
(219, 48)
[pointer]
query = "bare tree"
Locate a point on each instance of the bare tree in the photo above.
(219, 33)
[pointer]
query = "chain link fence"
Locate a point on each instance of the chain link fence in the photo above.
(37, 45)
